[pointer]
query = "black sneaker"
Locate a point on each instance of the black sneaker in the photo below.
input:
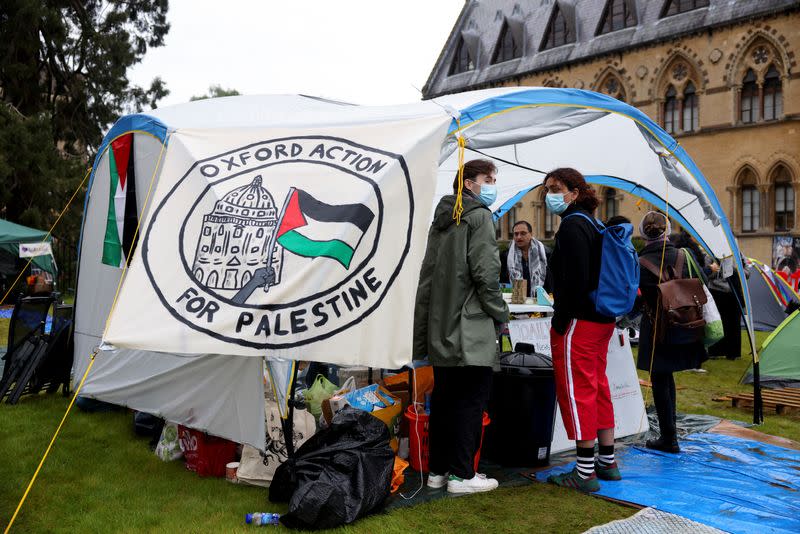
(664, 445)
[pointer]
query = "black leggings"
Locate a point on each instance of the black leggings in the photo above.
(664, 398)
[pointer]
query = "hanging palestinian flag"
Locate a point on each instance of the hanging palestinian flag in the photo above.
(313, 229)
(122, 210)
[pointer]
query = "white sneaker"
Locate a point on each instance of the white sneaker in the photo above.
(476, 484)
(437, 481)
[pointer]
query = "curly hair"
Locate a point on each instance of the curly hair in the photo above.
(572, 179)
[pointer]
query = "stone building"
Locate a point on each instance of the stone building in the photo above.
(720, 75)
(235, 238)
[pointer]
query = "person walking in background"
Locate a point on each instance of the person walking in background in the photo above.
(525, 259)
(458, 310)
(579, 335)
(679, 349)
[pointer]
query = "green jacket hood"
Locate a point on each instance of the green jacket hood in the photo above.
(443, 216)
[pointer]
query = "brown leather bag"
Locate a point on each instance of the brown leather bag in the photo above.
(680, 301)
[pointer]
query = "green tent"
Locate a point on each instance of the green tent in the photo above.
(780, 355)
(11, 236)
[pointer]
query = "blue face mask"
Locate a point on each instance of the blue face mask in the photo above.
(555, 203)
(488, 194)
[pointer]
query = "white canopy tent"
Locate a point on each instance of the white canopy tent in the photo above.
(294, 227)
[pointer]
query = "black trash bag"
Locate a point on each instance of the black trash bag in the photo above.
(342, 473)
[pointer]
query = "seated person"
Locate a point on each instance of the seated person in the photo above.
(525, 259)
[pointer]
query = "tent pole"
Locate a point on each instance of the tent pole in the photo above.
(758, 407)
(288, 423)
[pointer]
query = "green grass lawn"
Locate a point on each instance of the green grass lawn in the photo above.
(100, 477)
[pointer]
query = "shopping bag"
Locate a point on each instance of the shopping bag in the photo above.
(321, 389)
(713, 331)
(169, 446)
(258, 467)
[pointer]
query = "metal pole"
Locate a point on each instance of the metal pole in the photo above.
(288, 423)
(758, 405)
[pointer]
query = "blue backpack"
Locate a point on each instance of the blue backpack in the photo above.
(619, 269)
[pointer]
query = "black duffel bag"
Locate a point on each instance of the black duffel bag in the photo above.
(340, 474)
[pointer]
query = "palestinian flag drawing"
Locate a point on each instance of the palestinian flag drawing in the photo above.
(122, 210)
(313, 229)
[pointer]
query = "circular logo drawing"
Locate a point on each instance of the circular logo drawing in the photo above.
(281, 243)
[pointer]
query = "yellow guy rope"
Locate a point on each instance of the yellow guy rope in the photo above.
(47, 451)
(91, 361)
(458, 209)
(49, 232)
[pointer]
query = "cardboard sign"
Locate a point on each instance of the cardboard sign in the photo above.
(533, 331)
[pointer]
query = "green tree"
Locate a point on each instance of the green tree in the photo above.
(63, 82)
(216, 91)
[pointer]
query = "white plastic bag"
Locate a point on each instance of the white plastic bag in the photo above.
(169, 446)
(713, 330)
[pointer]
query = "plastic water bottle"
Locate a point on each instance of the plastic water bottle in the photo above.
(262, 518)
(428, 403)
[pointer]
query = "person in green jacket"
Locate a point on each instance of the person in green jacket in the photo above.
(458, 309)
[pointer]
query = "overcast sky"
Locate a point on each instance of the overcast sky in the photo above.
(360, 51)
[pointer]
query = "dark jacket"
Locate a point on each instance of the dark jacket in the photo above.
(676, 354)
(459, 302)
(575, 264)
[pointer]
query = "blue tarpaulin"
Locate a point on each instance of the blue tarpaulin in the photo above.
(733, 484)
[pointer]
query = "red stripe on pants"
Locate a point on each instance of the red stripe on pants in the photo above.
(579, 365)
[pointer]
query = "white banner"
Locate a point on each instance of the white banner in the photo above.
(295, 244)
(31, 250)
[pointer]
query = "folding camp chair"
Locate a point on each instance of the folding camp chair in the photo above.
(26, 340)
(57, 365)
(29, 315)
(50, 362)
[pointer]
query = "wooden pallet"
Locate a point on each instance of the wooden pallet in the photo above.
(782, 401)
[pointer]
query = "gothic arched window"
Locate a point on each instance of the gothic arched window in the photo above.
(750, 200)
(671, 111)
(616, 16)
(611, 202)
(462, 62)
(784, 199)
(690, 111)
(673, 7)
(507, 47)
(558, 32)
(749, 98)
(773, 95)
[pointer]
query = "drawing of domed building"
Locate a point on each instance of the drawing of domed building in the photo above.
(235, 238)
